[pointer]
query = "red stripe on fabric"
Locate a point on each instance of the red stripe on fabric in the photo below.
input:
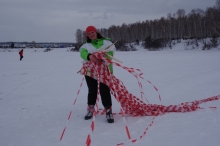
(93, 126)
(61, 137)
(128, 133)
(88, 140)
(69, 115)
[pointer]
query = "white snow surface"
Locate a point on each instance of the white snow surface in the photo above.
(37, 95)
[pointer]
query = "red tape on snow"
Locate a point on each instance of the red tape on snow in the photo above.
(129, 103)
(63, 132)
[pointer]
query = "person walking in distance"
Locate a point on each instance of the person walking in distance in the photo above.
(94, 43)
(21, 54)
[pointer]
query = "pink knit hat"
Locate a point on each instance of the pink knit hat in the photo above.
(90, 28)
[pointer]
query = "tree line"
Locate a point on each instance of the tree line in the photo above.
(196, 25)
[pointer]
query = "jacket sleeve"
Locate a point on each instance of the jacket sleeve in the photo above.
(84, 54)
(111, 53)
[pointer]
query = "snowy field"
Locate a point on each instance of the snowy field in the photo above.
(37, 94)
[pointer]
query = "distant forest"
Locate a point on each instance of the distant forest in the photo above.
(196, 25)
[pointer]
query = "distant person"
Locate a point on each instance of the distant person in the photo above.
(21, 54)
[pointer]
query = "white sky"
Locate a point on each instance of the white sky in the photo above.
(58, 20)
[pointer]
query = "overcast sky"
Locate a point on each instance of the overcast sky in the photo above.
(58, 20)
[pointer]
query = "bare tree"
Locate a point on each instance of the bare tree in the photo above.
(216, 22)
(198, 24)
(79, 36)
(180, 16)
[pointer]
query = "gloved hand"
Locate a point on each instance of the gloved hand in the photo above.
(94, 59)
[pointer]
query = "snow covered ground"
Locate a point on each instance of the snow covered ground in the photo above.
(37, 94)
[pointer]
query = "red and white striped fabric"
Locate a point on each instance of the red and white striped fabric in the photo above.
(74, 102)
(130, 103)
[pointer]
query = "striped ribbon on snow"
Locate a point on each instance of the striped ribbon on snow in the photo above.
(74, 102)
(130, 103)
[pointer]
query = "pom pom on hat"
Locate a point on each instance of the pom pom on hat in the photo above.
(90, 28)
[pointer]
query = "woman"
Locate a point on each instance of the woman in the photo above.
(94, 43)
(21, 54)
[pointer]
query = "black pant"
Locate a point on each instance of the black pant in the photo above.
(93, 89)
(21, 57)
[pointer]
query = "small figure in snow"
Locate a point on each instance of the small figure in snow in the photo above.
(21, 54)
(94, 43)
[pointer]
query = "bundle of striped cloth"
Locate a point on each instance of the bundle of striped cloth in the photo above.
(131, 104)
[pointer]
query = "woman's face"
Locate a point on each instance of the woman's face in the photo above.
(92, 35)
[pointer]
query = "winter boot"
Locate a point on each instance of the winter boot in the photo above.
(90, 111)
(109, 115)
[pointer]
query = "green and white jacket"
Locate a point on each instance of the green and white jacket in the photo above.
(95, 46)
